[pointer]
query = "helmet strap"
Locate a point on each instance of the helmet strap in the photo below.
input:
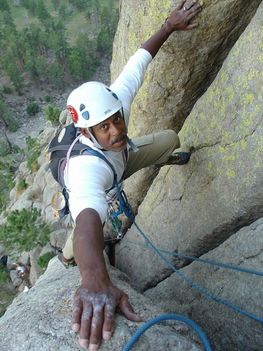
(93, 139)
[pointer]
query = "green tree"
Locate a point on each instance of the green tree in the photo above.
(52, 114)
(108, 25)
(32, 152)
(82, 58)
(6, 117)
(55, 75)
(4, 6)
(30, 5)
(80, 4)
(24, 230)
(8, 166)
(41, 11)
(58, 42)
(55, 3)
(32, 108)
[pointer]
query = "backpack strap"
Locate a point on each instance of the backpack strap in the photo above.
(90, 151)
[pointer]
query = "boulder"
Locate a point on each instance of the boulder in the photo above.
(40, 318)
(194, 208)
(15, 279)
(226, 329)
(58, 238)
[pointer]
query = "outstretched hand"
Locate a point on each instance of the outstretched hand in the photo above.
(180, 18)
(93, 314)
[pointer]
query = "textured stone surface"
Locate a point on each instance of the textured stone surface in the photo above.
(185, 65)
(226, 329)
(183, 68)
(40, 318)
(196, 207)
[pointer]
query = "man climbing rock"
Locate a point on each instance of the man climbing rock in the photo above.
(101, 113)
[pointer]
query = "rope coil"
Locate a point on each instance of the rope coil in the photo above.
(164, 317)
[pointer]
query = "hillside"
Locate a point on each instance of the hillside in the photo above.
(46, 49)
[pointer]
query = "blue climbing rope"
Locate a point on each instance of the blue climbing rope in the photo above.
(215, 263)
(205, 261)
(164, 317)
(127, 210)
(124, 207)
(204, 291)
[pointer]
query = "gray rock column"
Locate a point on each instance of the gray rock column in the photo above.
(182, 70)
(194, 208)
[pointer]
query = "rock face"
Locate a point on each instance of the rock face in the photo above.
(194, 208)
(183, 68)
(229, 330)
(186, 64)
(40, 318)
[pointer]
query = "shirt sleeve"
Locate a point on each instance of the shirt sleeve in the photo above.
(131, 78)
(87, 179)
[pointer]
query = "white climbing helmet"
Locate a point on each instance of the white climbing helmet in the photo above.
(92, 103)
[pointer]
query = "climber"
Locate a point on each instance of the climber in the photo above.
(101, 113)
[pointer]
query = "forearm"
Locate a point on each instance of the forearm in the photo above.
(153, 44)
(88, 245)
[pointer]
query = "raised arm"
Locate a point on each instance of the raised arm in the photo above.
(178, 20)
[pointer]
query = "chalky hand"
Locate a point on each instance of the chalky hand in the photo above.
(93, 314)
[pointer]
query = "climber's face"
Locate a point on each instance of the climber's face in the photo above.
(111, 134)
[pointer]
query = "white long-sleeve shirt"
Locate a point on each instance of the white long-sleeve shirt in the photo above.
(87, 178)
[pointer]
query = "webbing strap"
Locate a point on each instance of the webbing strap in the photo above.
(96, 153)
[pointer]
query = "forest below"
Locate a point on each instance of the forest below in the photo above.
(54, 41)
(46, 47)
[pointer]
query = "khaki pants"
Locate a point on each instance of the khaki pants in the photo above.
(154, 149)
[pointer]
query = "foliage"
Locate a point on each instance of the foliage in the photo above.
(24, 230)
(4, 276)
(32, 151)
(55, 75)
(7, 90)
(4, 6)
(82, 60)
(8, 166)
(6, 117)
(80, 4)
(52, 114)
(48, 98)
(21, 185)
(46, 47)
(32, 108)
(44, 259)
(108, 27)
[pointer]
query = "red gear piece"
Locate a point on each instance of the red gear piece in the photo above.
(74, 113)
